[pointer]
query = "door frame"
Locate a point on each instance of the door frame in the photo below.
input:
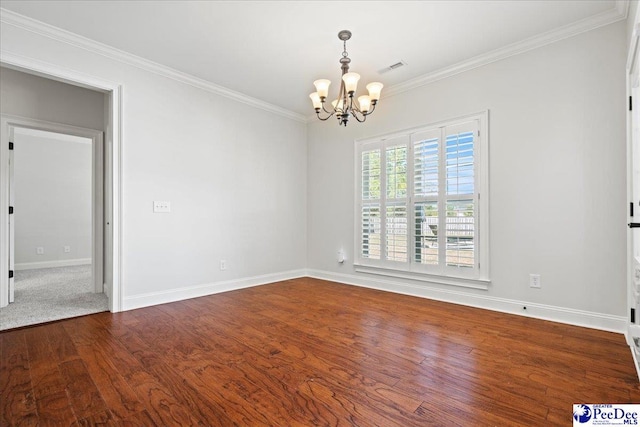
(112, 174)
(11, 123)
(633, 264)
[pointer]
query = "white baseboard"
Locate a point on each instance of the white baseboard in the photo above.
(569, 316)
(179, 294)
(51, 264)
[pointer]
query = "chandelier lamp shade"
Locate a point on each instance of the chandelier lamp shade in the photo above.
(345, 105)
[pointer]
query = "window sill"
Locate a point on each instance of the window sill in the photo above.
(464, 282)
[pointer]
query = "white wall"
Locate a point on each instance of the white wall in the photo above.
(244, 185)
(557, 178)
(631, 18)
(235, 176)
(27, 95)
(52, 183)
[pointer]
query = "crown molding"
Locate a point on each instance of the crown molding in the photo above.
(618, 13)
(611, 16)
(11, 18)
(622, 6)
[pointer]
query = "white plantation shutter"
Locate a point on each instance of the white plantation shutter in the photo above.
(419, 204)
(426, 188)
(426, 149)
(396, 201)
(396, 232)
(426, 220)
(371, 227)
(460, 195)
(371, 175)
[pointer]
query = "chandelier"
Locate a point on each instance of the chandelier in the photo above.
(345, 106)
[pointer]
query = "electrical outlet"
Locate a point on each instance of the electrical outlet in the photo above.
(223, 264)
(67, 249)
(40, 250)
(161, 207)
(534, 281)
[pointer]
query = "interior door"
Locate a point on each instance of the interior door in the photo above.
(634, 193)
(11, 220)
(633, 185)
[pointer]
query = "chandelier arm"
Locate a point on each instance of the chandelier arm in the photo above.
(354, 113)
(327, 111)
(354, 107)
(326, 118)
(373, 108)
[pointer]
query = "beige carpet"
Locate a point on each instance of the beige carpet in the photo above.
(48, 294)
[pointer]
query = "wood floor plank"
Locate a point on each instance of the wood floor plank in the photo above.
(339, 354)
(140, 419)
(45, 375)
(160, 382)
(112, 386)
(239, 398)
(104, 418)
(309, 352)
(54, 409)
(16, 391)
(85, 398)
(61, 345)
(162, 406)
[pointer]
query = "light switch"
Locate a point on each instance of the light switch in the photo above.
(161, 207)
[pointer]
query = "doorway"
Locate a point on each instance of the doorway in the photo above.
(56, 222)
(112, 173)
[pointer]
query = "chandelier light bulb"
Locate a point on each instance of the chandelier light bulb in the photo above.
(351, 82)
(315, 98)
(322, 87)
(374, 89)
(365, 103)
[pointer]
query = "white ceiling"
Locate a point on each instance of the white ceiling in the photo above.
(274, 50)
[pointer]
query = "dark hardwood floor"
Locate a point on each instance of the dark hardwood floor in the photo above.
(307, 352)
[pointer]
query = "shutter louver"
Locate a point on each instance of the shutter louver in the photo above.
(460, 173)
(426, 188)
(460, 207)
(371, 231)
(371, 175)
(396, 226)
(460, 233)
(425, 156)
(371, 220)
(426, 233)
(396, 208)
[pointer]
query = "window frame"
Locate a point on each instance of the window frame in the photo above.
(477, 277)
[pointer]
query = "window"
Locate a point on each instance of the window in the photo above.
(422, 203)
